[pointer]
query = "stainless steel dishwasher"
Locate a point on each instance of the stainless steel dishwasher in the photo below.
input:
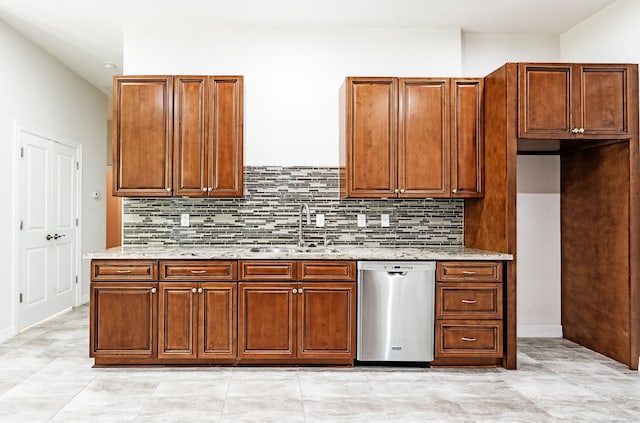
(396, 311)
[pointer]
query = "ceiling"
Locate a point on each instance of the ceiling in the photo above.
(84, 34)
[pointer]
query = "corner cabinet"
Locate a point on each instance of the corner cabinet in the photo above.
(574, 101)
(178, 135)
(411, 138)
(142, 135)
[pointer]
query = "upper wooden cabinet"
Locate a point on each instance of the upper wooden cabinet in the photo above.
(574, 101)
(411, 138)
(180, 135)
(142, 122)
(208, 136)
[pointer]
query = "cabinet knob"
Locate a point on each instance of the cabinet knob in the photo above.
(454, 190)
(396, 190)
(168, 189)
(194, 290)
(402, 191)
(575, 130)
(204, 189)
(295, 291)
(153, 290)
(200, 290)
(300, 291)
(581, 130)
(209, 189)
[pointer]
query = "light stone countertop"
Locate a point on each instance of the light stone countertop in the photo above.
(338, 252)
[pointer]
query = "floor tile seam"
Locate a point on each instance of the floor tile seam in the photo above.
(73, 397)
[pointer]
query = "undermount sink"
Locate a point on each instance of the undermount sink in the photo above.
(295, 250)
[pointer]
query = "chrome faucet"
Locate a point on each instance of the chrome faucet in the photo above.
(303, 207)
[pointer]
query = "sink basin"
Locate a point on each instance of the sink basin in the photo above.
(296, 250)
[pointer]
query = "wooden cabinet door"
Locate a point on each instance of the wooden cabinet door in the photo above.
(423, 138)
(266, 320)
(142, 134)
(177, 320)
(545, 101)
(326, 320)
(123, 319)
(603, 101)
(190, 135)
(371, 150)
(467, 155)
(217, 320)
(225, 152)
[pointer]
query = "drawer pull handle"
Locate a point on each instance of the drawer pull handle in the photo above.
(469, 301)
(124, 271)
(469, 272)
(198, 272)
(464, 338)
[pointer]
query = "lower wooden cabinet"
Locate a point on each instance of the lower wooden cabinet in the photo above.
(123, 320)
(197, 320)
(312, 322)
(469, 312)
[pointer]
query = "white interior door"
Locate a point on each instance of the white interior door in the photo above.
(48, 204)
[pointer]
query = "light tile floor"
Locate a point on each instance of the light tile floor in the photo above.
(46, 375)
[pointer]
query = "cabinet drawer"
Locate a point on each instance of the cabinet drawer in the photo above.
(468, 301)
(267, 270)
(124, 270)
(327, 271)
(189, 270)
(468, 338)
(469, 271)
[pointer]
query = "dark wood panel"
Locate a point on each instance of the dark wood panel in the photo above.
(327, 320)
(423, 140)
(490, 222)
(198, 270)
(465, 271)
(327, 270)
(226, 136)
(142, 135)
(124, 270)
(266, 320)
(467, 145)
(190, 135)
(468, 301)
(371, 137)
(260, 270)
(218, 323)
(123, 319)
(595, 200)
(177, 320)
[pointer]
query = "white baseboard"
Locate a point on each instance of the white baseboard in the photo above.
(540, 331)
(6, 334)
(84, 299)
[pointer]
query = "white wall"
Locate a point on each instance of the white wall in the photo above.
(292, 74)
(538, 198)
(609, 36)
(42, 94)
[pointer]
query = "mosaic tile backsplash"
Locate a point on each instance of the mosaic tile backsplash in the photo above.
(269, 214)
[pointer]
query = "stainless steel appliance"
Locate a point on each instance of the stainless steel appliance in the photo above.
(396, 311)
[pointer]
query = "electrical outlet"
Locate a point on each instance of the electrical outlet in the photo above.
(362, 221)
(184, 219)
(384, 220)
(319, 220)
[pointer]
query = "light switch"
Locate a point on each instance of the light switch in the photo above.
(362, 220)
(184, 219)
(319, 220)
(384, 220)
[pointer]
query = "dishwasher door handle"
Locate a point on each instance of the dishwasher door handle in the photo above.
(400, 273)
